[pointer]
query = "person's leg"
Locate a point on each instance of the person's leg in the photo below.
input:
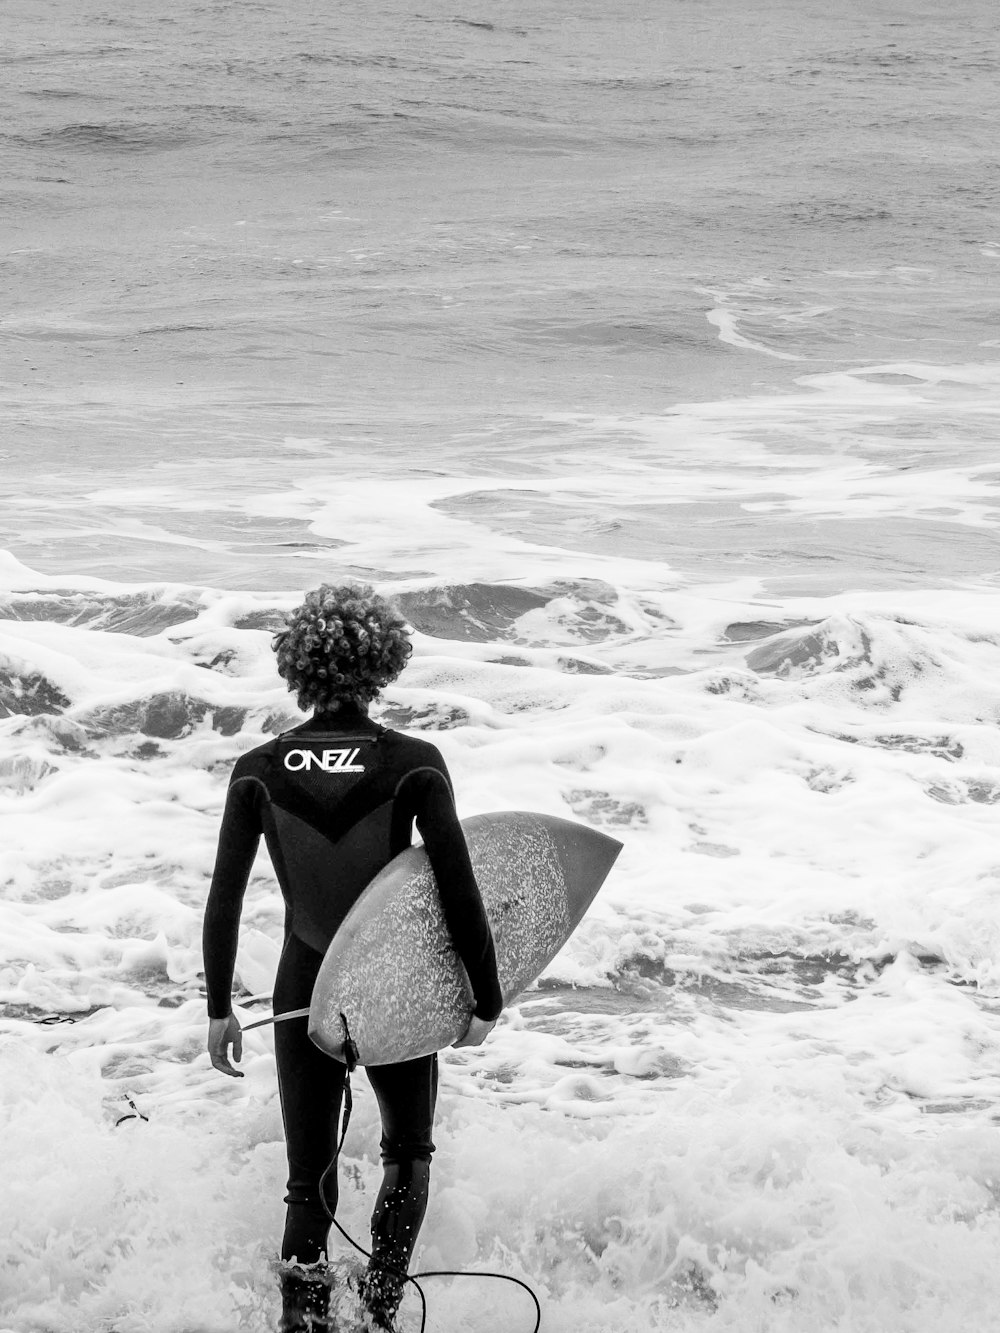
(311, 1086)
(305, 1302)
(407, 1095)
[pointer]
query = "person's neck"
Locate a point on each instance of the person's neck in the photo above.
(348, 714)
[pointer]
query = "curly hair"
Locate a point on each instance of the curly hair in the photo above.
(342, 646)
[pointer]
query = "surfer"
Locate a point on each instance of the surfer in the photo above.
(336, 799)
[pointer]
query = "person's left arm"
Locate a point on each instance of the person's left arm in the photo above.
(465, 916)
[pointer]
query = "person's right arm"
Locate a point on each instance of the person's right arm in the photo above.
(238, 840)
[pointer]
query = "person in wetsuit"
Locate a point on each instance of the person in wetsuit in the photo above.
(336, 799)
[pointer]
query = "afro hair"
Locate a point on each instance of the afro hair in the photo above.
(341, 646)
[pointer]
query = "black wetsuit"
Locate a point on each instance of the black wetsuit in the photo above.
(336, 800)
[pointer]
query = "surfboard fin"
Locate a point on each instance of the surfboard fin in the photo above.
(350, 1050)
(276, 1018)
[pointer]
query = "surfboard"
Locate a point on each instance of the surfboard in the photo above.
(391, 970)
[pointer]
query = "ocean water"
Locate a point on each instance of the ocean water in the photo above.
(648, 353)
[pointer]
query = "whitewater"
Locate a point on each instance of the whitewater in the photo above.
(647, 355)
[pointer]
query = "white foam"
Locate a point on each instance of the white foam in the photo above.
(759, 1084)
(729, 332)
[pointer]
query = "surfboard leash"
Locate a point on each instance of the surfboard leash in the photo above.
(351, 1061)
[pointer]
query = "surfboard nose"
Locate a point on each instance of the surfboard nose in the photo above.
(586, 855)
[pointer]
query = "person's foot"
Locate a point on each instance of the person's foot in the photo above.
(305, 1299)
(381, 1290)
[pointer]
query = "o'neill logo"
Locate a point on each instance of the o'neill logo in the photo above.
(330, 761)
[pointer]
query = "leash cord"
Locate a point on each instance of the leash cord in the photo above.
(351, 1060)
(134, 1114)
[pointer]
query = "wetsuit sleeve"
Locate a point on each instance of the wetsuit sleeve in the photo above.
(238, 839)
(464, 914)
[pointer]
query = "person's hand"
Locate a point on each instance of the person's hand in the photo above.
(221, 1033)
(477, 1032)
